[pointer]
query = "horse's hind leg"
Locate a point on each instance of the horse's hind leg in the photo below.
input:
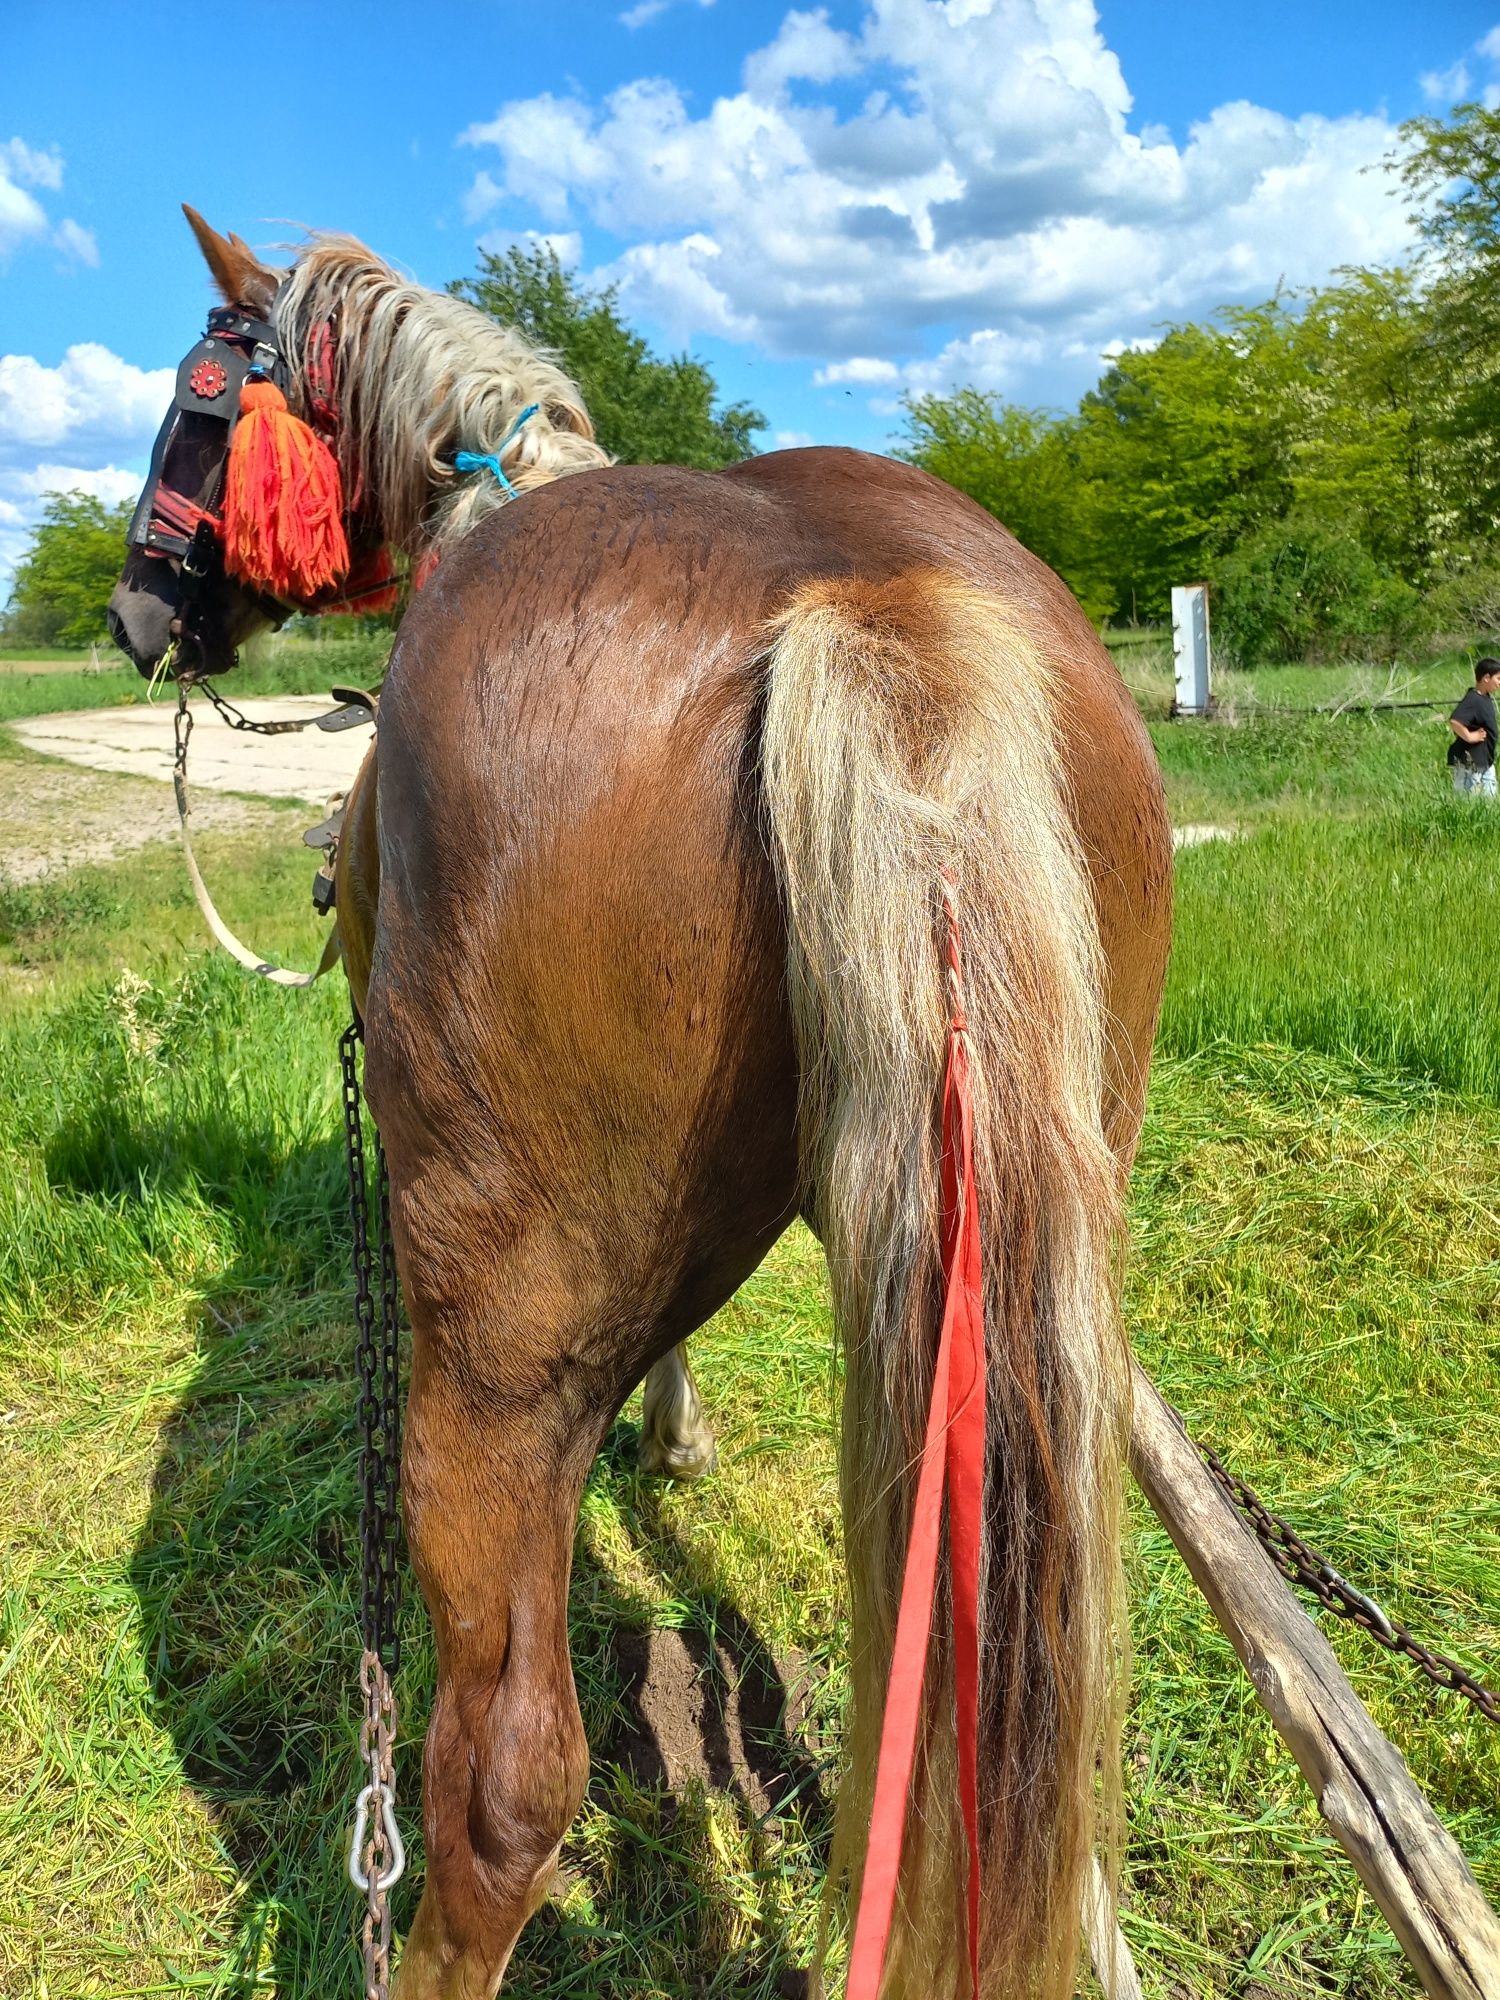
(492, 1476)
(675, 1436)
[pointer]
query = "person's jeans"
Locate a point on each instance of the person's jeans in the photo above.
(1475, 784)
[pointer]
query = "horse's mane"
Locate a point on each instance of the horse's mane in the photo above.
(419, 376)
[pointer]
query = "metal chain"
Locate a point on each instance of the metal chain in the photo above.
(182, 729)
(376, 1857)
(1302, 1564)
(237, 719)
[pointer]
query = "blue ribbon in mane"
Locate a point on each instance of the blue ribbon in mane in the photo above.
(480, 461)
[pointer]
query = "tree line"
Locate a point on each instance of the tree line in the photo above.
(1328, 461)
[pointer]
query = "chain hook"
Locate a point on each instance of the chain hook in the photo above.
(364, 1878)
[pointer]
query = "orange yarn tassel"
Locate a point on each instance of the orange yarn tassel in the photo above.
(283, 502)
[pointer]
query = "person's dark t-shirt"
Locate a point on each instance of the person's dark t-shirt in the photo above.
(1475, 711)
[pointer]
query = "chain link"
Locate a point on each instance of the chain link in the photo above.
(236, 718)
(376, 1859)
(1302, 1564)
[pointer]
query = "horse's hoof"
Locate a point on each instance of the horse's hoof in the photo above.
(694, 1459)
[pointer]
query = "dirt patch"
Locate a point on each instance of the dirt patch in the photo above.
(718, 1711)
(54, 816)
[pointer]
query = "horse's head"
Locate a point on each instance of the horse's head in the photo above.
(336, 378)
(174, 589)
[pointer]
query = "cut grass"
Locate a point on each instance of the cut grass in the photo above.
(1315, 1281)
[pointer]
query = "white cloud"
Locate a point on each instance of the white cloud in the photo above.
(648, 10)
(72, 237)
(481, 197)
(23, 218)
(859, 368)
(986, 195)
(807, 49)
(793, 440)
(1446, 86)
(31, 166)
(84, 425)
(90, 395)
(109, 483)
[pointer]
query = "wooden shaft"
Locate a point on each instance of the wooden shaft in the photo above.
(1405, 1856)
(1114, 1968)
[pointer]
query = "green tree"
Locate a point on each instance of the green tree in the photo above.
(646, 410)
(1450, 169)
(1019, 464)
(63, 583)
(1367, 455)
(1188, 445)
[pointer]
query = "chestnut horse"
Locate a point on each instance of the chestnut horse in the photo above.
(641, 902)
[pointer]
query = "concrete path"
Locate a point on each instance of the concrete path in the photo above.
(138, 742)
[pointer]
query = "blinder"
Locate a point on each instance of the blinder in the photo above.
(210, 379)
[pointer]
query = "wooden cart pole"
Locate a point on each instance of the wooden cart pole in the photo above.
(1405, 1856)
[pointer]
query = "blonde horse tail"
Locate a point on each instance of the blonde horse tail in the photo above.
(909, 733)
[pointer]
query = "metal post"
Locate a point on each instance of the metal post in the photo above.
(1190, 647)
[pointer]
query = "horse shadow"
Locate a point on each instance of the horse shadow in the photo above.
(246, 1576)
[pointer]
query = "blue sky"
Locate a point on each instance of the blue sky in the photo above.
(832, 206)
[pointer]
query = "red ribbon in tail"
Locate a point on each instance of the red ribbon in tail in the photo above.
(952, 1458)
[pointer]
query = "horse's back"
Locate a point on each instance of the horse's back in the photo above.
(568, 799)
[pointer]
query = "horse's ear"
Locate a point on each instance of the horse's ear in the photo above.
(239, 274)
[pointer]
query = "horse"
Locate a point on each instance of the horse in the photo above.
(641, 897)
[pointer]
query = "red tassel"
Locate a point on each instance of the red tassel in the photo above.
(283, 502)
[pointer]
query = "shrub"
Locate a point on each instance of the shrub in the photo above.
(1301, 588)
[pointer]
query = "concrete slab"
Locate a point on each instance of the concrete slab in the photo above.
(137, 742)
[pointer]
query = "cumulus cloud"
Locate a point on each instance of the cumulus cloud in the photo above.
(91, 396)
(858, 368)
(85, 425)
(962, 182)
(32, 166)
(1444, 87)
(23, 217)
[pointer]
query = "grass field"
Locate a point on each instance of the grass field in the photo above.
(1315, 1280)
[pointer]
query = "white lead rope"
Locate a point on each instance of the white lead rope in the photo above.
(223, 935)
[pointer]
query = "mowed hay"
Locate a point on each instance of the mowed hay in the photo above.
(1315, 1280)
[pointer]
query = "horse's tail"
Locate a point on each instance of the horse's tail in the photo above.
(909, 735)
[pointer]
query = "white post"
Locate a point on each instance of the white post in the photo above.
(1190, 647)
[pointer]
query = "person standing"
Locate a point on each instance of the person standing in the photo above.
(1471, 754)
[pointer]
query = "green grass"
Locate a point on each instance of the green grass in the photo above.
(1370, 937)
(273, 666)
(1315, 1281)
